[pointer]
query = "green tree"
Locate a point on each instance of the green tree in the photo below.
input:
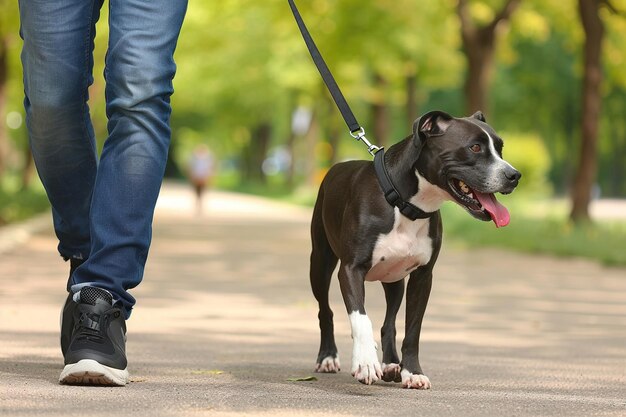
(8, 33)
(479, 43)
(593, 26)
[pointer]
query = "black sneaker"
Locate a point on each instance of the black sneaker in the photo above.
(93, 339)
(67, 318)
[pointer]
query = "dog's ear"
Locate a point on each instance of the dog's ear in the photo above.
(434, 123)
(480, 116)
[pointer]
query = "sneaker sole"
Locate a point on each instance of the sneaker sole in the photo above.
(90, 372)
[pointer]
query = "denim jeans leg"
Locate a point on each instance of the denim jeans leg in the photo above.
(58, 61)
(139, 73)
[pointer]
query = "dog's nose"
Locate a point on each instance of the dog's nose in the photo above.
(513, 175)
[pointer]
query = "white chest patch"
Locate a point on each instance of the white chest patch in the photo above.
(401, 251)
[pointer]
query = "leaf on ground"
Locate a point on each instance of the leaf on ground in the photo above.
(207, 372)
(306, 378)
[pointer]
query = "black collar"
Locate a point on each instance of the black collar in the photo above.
(392, 195)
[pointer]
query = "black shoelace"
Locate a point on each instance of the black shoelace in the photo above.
(89, 327)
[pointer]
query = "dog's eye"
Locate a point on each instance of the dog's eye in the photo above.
(475, 148)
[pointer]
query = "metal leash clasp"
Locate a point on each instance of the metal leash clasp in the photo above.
(360, 135)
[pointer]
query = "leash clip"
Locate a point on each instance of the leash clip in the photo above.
(360, 135)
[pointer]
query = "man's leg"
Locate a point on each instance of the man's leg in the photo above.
(139, 72)
(58, 61)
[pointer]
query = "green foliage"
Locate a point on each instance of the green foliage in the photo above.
(541, 95)
(537, 225)
(9, 21)
(241, 64)
(18, 204)
(531, 232)
(276, 189)
(528, 153)
(615, 45)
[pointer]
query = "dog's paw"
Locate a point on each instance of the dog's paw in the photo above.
(391, 372)
(415, 381)
(365, 366)
(328, 365)
(368, 373)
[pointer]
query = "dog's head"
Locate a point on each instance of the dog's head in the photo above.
(463, 156)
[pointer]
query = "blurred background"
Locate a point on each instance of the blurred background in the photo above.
(550, 76)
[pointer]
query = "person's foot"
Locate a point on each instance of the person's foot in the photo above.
(93, 339)
(67, 316)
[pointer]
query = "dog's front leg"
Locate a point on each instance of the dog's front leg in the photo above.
(417, 293)
(365, 365)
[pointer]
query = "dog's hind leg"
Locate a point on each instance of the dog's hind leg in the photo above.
(323, 263)
(391, 362)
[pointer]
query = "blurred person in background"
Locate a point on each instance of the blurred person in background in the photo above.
(201, 171)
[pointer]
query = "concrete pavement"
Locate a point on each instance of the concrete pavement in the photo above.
(225, 317)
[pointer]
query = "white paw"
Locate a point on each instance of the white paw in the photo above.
(365, 366)
(367, 373)
(415, 381)
(391, 372)
(329, 365)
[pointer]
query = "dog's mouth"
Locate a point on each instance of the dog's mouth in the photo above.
(483, 206)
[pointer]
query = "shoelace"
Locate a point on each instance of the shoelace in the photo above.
(89, 327)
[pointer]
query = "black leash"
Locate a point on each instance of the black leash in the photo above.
(392, 195)
(356, 130)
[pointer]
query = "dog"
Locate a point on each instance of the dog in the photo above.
(446, 158)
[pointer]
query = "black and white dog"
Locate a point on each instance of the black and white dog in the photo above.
(446, 158)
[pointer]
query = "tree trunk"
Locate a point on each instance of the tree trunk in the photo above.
(591, 104)
(290, 142)
(290, 145)
(256, 152)
(4, 73)
(334, 136)
(478, 47)
(479, 54)
(311, 138)
(411, 101)
(333, 131)
(380, 117)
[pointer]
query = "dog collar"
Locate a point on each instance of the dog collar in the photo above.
(392, 195)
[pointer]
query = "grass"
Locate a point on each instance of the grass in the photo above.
(275, 189)
(602, 241)
(537, 226)
(17, 204)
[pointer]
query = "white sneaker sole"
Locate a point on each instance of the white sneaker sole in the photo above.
(90, 372)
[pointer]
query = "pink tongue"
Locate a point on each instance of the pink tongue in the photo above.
(499, 214)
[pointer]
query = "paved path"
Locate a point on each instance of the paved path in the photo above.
(225, 317)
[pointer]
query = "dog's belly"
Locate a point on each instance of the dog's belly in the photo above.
(393, 269)
(401, 251)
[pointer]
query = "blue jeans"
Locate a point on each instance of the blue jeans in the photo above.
(102, 210)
